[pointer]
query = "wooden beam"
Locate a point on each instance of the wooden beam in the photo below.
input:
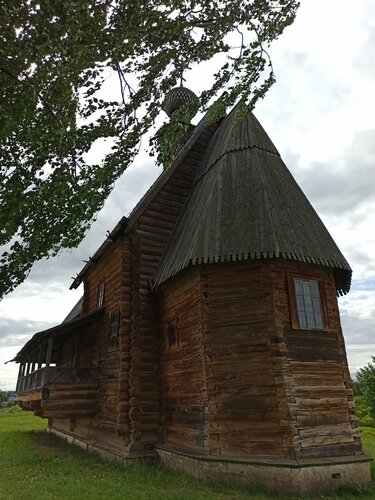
(49, 351)
(19, 376)
(35, 395)
(75, 349)
(40, 356)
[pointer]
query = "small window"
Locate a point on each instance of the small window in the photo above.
(101, 290)
(308, 302)
(113, 329)
(172, 334)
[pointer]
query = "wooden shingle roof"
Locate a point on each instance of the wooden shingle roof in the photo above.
(201, 133)
(245, 204)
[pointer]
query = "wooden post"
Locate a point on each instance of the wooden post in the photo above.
(40, 357)
(48, 359)
(26, 379)
(22, 381)
(49, 351)
(19, 377)
(75, 351)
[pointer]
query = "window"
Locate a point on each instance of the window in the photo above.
(308, 303)
(101, 290)
(113, 329)
(173, 334)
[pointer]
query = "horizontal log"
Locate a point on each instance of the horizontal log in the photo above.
(69, 413)
(325, 431)
(55, 404)
(326, 440)
(72, 394)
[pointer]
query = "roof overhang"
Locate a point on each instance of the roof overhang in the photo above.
(56, 331)
(125, 224)
(112, 236)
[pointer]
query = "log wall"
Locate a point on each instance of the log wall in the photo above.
(128, 399)
(93, 349)
(248, 415)
(254, 386)
(317, 378)
(109, 271)
(151, 235)
(184, 394)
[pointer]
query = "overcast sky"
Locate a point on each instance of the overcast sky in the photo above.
(320, 115)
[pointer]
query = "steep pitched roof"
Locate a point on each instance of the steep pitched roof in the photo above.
(245, 204)
(126, 223)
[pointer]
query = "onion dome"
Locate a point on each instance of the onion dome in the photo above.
(176, 98)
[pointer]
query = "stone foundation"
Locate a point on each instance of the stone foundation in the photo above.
(304, 476)
(106, 452)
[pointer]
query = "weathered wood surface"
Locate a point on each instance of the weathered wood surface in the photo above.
(266, 390)
(184, 397)
(62, 401)
(128, 399)
(151, 235)
(240, 379)
(316, 376)
(244, 417)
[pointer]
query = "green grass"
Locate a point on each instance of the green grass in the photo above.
(37, 465)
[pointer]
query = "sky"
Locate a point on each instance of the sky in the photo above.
(320, 116)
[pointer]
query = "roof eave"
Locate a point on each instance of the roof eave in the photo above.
(112, 236)
(126, 223)
(61, 329)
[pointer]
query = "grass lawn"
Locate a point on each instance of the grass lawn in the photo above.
(37, 465)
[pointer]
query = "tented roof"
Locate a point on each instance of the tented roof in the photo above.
(245, 204)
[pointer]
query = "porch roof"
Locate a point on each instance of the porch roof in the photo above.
(58, 330)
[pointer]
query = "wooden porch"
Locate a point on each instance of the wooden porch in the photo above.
(34, 381)
(56, 377)
(59, 392)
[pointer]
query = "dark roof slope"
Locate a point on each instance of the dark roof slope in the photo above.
(202, 129)
(75, 312)
(62, 329)
(245, 204)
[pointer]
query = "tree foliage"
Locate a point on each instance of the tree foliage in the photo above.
(365, 385)
(56, 58)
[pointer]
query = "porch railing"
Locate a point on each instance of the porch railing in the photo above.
(54, 375)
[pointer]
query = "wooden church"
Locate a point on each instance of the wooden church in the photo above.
(208, 336)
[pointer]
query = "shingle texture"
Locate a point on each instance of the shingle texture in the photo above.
(245, 204)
